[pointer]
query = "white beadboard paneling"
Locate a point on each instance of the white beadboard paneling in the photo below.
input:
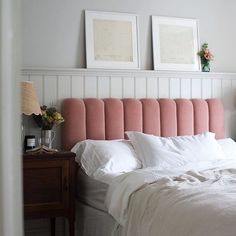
(185, 87)
(206, 88)
(77, 84)
(128, 87)
(233, 85)
(226, 86)
(233, 92)
(227, 93)
(216, 88)
(196, 88)
(50, 90)
(38, 83)
(56, 84)
(103, 87)
(90, 88)
(140, 87)
(164, 87)
(227, 98)
(64, 88)
(232, 132)
(152, 87)
(126, 83)
(174, 88)
(116, 87)
(24, 77)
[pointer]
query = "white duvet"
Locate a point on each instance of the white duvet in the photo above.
(194, 200)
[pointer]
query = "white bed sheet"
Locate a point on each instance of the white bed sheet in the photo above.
(94, 222)
(197, 199)
(90, 191)
(93, 191)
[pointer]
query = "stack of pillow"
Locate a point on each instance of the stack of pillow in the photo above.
(101, 157)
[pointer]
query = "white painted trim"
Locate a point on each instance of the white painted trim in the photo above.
(125, 73)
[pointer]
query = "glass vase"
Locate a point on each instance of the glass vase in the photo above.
(206, 67)
(47, 137)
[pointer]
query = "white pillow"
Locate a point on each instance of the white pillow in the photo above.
(228, 146)
(171, 152)
(115, 156)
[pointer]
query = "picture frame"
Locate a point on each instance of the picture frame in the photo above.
(112, 40)
(175, 43)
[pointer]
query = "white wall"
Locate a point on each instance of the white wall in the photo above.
(53, 30)
(10, 145)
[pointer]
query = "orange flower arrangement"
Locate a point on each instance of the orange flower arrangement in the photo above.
(206, 56)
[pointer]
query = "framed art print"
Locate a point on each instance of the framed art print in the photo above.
(111, 40)
(175, 43)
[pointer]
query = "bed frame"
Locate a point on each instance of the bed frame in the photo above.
(110, 118)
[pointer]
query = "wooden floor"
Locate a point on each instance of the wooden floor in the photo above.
(41, 227)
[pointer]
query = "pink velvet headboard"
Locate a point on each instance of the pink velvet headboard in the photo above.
(110, 118)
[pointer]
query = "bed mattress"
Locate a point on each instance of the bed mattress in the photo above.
(90, 191)
(93, 222)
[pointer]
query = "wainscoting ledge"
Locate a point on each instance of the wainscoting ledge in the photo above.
(124, 73)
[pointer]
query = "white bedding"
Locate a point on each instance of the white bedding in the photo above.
(194, 200)
(90, 191)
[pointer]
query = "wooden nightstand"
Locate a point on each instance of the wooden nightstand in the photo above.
(49, 187)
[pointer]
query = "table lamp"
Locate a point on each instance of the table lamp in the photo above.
(29, 105)
(29, 99)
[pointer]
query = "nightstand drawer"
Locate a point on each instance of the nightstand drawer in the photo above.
(46, 183)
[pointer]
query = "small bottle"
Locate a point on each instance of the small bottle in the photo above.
(29, 142)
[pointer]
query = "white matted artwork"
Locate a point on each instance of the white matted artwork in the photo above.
(175, 43)
(111, 40)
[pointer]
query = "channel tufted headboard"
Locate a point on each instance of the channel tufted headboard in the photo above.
(110, 118)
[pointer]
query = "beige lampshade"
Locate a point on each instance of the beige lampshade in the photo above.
(29, 99)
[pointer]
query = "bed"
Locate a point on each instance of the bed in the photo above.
(108, 119)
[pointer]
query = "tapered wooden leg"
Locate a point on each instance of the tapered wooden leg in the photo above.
(71, 227)
(53, 226)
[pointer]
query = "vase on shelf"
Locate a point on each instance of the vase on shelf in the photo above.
(206, 66)
(47, 137)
